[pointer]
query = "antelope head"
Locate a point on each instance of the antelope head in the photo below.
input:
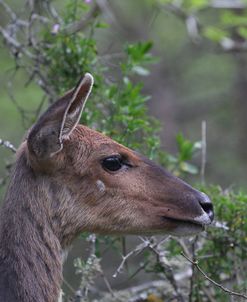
(96, 184)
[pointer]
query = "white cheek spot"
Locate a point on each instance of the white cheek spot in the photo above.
(100, 185)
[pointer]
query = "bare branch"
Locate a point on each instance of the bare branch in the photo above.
(192, 24)
(228, 291)
(89, 271)
(9, 39)
(193, 28)
(8, 10)
(7, 145)
(52, 11)
(168, 271)
(84, 22)
(136, 251)
(16, 46)
(147, 243)
(154, 246)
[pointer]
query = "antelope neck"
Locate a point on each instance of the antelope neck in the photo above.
(30, 252)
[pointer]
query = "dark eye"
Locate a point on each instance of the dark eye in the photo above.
(113, 163)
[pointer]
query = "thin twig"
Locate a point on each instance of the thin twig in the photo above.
(8, 10)
(228, 291)
(68, 285)
(108, 285)
(52, 11)
(8, 145)
(84, 22)
(168, 271)
(124, 251)
(192, 278)
(137, 250)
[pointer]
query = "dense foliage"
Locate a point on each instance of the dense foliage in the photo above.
(117, 107)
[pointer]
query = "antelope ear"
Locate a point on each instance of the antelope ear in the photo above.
(46, 136)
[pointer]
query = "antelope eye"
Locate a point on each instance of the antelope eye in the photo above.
(113, 163)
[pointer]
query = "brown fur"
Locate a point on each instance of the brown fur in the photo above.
(58, 189)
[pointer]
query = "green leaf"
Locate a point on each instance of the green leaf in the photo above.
(102, 25)
(198, 4)
(214, 33)
(230, 18)
(185, 148)
(243, 32)
(188, 168)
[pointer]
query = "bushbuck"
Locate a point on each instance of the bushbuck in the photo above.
(68, 179)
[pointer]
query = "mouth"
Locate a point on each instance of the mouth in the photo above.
(178, 221)
(181, 227)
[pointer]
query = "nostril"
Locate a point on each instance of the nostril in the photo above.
(207, 205)
(208, 208)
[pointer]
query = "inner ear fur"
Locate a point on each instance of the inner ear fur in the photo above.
(46, 136)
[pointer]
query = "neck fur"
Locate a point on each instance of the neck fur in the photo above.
(30, 252)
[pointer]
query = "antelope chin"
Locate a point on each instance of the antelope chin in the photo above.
(184, 227)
